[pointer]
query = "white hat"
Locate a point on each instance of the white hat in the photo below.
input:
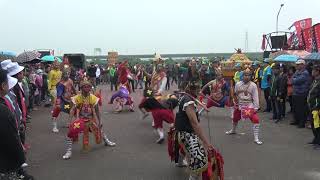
(5, 63)
(12, 81)
(301, 61)
(39, 71)
(14, 68)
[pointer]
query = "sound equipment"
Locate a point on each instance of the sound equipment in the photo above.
(278, 42)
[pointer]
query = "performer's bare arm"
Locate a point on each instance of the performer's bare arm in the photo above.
(196, 126)
(207, 85)
(255, 97)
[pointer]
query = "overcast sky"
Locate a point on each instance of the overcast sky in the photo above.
(145, 26)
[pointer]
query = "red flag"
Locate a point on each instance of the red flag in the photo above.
(263, 45)
(301, 25)
(307, 39)
(316, 30)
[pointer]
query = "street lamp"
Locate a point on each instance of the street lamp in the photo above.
(278, 16)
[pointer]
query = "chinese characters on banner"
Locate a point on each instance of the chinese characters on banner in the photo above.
(316, 30)
(307, 35)
(300, 26)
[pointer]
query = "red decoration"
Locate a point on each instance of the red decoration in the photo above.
(301, 25)
(307, 39)
(247, 112)
(316, 30)
(263, 45)
(75, 128)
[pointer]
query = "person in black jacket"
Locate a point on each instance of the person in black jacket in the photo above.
(274, 91)
(91, 73)
(282, 92)
(11, 152)
(314, 105)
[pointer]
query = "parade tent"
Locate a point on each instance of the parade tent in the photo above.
(312, 57)
(286, 58)
(7, 55)
(299, 53)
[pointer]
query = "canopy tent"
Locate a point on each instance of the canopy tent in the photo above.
(286, 58)
(7, 55)
(50, 58)
(312, 57)
(299, 53)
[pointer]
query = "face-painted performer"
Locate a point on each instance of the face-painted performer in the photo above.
(191, 141)
(65, 90)
(161, 110)
(219, 94)
(87, 120)
(246, 104)
(122, 97)
(158, 77)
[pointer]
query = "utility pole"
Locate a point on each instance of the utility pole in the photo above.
(278, 17)
(246, 43)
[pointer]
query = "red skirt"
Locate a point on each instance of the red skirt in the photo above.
(160, 115)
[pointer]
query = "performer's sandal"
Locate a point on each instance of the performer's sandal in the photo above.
(107, 142)
(67, 155)
(230, 132)
(160, 140)
(184, 163)
(55, 130)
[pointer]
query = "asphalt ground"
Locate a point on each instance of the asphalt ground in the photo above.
(283, 156)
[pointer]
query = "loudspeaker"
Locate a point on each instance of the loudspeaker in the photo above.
(278, 42)
(266, 54)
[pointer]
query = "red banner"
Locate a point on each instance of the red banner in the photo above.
(263, 45)
(316, 30)
(307, 39)
(301, 25)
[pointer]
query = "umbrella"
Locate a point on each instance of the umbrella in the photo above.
(50, 58)
(286, 58)
(27, 56)
(313, 57)
(8, 53)
(300, 53)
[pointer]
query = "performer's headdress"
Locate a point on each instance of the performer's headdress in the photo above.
(158, 59)
(85, 82)
(148, 92)
(66, 63)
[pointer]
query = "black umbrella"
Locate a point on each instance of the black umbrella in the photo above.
(27, 56)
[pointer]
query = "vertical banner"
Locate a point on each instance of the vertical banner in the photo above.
(307, 36)
(301, 25)
(316, 30)
(263, 45)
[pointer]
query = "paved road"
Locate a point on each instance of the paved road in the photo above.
(283, 156)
